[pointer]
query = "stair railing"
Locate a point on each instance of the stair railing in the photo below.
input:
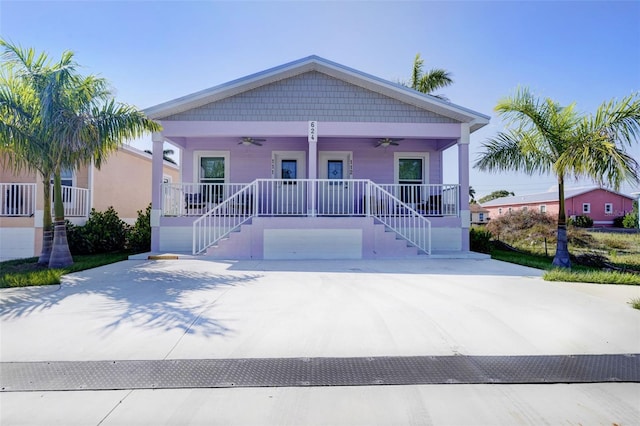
(399, 217)
(224, 218)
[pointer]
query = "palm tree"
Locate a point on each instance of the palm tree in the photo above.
(472, 195)
(76, 118)
(543, 137)
(430, 81)
(166, 154)
(22, 141)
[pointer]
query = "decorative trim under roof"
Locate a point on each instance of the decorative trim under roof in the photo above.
(397, 91)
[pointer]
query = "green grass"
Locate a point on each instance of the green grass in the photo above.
(577, 273)
(27, 272)
(596, 277)
(635, 303)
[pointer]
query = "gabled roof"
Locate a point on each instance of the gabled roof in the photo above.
(477, 208)
(549, 196)
(333, 69)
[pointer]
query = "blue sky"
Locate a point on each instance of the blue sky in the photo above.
(153, 51)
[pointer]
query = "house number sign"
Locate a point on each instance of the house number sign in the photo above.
(313, 131)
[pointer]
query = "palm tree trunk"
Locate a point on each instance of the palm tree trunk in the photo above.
(60, 254)
(562, 258)
(47, 230)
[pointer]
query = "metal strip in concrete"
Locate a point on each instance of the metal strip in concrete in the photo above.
(288, 372)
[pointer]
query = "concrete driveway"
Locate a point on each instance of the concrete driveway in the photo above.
(194, 309)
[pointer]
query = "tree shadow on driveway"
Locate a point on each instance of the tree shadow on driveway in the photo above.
(145, 295)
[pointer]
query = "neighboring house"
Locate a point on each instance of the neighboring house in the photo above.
(479, 215)
(312, 160)
(123, 181)
(600, 204)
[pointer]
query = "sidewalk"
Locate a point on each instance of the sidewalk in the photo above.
(194, 309)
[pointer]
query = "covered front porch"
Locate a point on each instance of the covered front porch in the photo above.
(312, 154)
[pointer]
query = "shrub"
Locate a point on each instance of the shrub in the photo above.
(519, 225)
(480, 240)
(104, 232)
(581, 221)
(618, 222)
(140, 233)
(630, 220)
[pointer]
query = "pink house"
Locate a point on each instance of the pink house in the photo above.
(312, 160)
(21, 197)
(600, 204)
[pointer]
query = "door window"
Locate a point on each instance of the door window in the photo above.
(335, 169)
(289, 170)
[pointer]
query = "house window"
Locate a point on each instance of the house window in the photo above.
(211, 168)
(66, 179)
(543, 209)
(586, 207)
(411, 175)
(525, 208)
(608, 208)
(510, 209)
(500, 211)
(481, 216)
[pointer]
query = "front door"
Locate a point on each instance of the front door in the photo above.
(335, 194)
(289, 193)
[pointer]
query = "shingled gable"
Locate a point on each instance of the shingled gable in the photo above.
(321, 77)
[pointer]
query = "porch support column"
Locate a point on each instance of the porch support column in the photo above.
(463, 180)
(312, 137)
(156, 186)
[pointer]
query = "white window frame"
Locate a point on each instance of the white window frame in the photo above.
(608, 208)
(197, 155)
(424, 156)
(481, 217)
(586, 208)
(543, 208)
(525, 208)
(500, 210)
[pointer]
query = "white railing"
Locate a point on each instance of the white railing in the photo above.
(399, 217)
(428, 199)
(195, 199)
(311, 197)
(323, 197)
(18, 199)
(224, 218)
(75, 201)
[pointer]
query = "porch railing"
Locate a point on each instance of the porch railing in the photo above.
(310, 197)
(18, 199)
(428, 199)
(324, 197)
(75, 201)
(195, 199)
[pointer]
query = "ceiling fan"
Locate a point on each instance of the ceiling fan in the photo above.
(388, 141)
(251, 141)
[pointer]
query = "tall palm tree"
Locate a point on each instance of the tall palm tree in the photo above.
(22, 141)
(78, 121)
(430, 81)
(543, 137)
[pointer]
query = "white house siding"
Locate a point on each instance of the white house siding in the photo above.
(17, 243)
